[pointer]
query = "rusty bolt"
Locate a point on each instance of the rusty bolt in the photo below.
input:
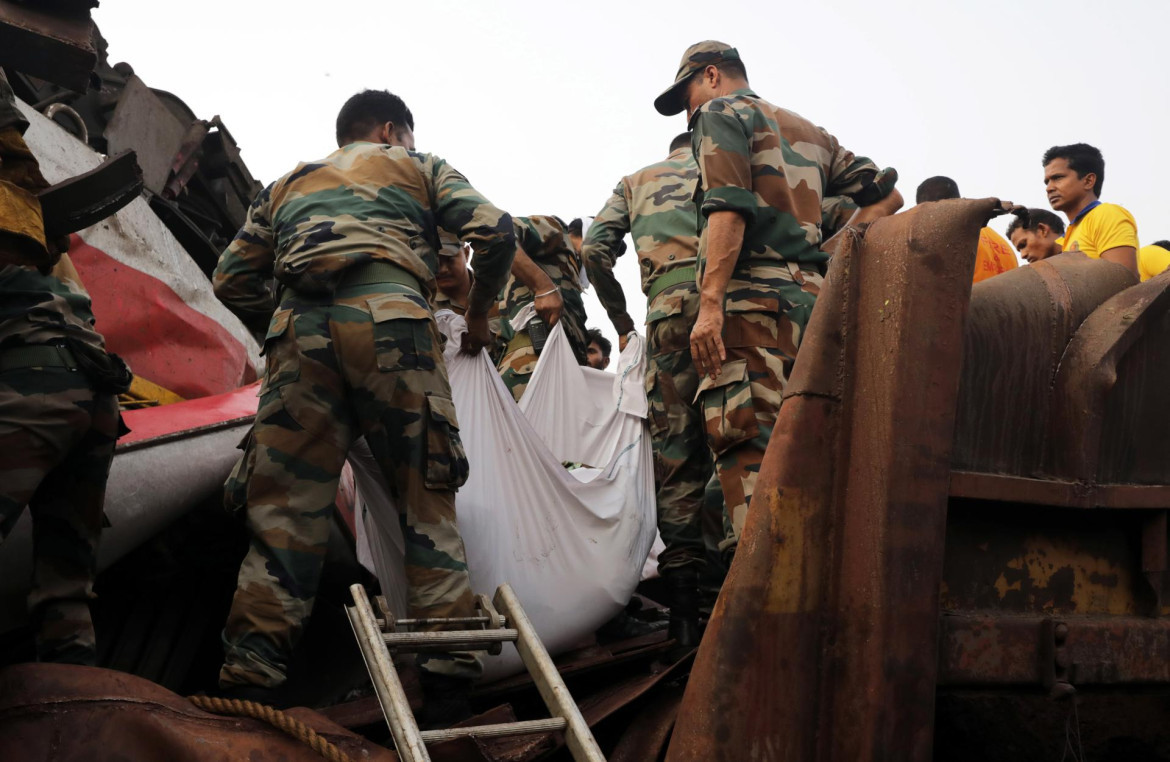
(1060, 634)
(1062, 661)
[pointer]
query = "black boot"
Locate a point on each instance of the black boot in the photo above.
(445, 700)
(684, 612)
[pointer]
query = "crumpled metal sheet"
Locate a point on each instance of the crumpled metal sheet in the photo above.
(64, 713)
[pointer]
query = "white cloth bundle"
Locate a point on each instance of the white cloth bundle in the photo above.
(572, 543)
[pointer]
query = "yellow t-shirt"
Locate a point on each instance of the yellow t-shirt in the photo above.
(1152, 260)
(1105, 227)
(995, 256)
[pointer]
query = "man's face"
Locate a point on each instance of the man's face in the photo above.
(595, 358)
(703, 87)
(452, 272)
(1035, 245)
(1066, 190)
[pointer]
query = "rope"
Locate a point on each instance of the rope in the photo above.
(275, 718)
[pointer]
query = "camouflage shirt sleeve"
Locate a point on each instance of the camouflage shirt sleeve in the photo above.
(857, 177)
(722, 148)
(461, 209)
(243, 276)
(602, 246)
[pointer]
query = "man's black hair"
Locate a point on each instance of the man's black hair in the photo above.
(733, 69)
(575, 227)
(1031, 219)
(366, 111)
(1164, 244)
(937, 188)
(1082, 158)
(603, 343)
(679, 141)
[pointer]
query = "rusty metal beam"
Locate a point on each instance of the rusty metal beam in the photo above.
(983, 650)
(48, 44)
(1051, 492)
(823, 644)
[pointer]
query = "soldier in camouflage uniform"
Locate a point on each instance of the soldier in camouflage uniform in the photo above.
(57, 428)
(547, 267)
(353, 349)
(455, 280)
(656, 206)
(764, 172)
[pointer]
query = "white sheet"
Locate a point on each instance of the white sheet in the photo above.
(572, 543)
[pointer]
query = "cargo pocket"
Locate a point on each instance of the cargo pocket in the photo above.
(405, 337)
(659, 420)
(446, 466)
(282, 360)
(728, 413)
(235, 489)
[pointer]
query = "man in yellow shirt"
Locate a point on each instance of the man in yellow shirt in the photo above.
(1153, 259)
(1036, 234)
(1073, 176)
(994, 255)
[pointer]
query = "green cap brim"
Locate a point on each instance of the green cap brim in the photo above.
(671, 100)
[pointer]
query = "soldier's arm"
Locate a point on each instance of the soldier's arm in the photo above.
(546, 299)
(600, 250)
(243, 275)
(722, 148)
(461, 209)
(859, 179)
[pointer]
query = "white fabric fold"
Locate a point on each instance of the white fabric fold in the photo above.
(571, 542)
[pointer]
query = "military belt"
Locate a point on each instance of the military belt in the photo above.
(672, 278)
(37, 356)
(519, 341)
(379, 272)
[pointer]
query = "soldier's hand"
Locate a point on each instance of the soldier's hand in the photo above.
(478, 335)
(623, 339)
(707, 342)
(550, 306)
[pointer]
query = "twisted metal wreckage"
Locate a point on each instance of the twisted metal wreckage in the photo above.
(959, 548)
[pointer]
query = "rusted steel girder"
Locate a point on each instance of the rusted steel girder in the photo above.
(823, 644)
(53, 41)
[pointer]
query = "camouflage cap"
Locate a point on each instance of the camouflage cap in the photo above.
(696, 58)
(449, 244)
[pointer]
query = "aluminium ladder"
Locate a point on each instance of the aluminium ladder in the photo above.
(497, 622)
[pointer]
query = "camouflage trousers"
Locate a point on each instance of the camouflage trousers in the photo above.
(740, 406)
(683, 462)
(367, 360)
(57, 441)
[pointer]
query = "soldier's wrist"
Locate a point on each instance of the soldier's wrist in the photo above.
(624, 325)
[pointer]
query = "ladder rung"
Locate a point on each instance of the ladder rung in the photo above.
(448, 638)
(495, 731)
(443, 620)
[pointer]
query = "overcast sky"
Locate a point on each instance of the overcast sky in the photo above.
(545, 106)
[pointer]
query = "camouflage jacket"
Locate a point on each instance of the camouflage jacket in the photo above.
(656, 206)
(773, 167)
(544, 240)
(42, 309)
(364, 202)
